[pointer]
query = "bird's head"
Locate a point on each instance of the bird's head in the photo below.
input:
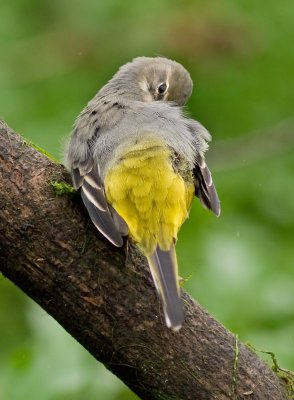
(157, 78)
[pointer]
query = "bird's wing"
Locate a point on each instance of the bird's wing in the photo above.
(204, 187)
(86, 178)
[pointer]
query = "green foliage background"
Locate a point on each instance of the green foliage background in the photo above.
(55, 55)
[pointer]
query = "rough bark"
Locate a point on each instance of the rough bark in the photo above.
(50, 250)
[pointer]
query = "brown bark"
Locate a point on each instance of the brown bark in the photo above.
(51, 251)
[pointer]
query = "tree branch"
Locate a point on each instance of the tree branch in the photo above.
(50, 250)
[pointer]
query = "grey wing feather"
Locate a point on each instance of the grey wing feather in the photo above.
(92, 193)
(119, 222)
(204, 187)
(103, 222)
(86, 177)
(77, 178)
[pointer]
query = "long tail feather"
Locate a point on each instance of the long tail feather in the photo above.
(164, 270)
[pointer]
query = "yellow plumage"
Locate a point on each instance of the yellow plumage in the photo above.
(149, 195)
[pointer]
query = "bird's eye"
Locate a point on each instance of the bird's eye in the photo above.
(162, 88)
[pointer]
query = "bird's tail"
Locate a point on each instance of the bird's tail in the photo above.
(164, 270)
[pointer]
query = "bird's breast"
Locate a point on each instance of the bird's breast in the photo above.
(150, 194)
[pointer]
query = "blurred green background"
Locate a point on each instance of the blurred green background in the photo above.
(55, 55)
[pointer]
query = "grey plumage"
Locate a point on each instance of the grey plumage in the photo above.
(204, 187)
(165, 279)
(103, 216)
(143, 100)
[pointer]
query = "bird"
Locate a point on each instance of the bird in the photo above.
(138, 161)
